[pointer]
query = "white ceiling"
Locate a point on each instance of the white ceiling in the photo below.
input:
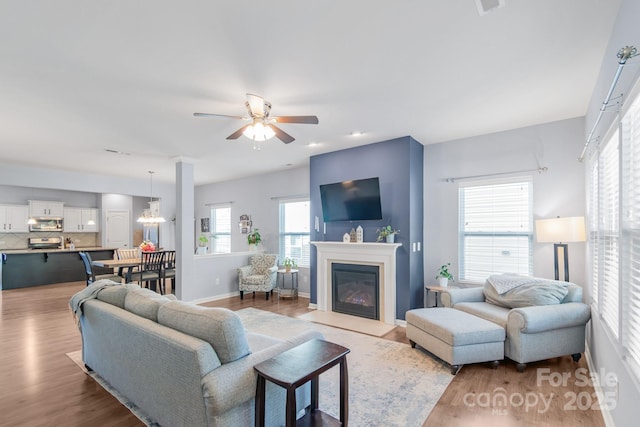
(78, 77)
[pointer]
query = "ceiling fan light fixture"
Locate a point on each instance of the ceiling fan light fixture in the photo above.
(259, 132)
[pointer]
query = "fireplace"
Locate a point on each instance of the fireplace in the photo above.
(355, 290)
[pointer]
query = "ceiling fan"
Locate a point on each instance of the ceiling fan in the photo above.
(262, 126)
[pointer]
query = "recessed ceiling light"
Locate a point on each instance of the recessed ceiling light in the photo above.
(313, 144)
(357, 133)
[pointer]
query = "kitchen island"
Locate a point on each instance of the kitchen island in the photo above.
(35, 267)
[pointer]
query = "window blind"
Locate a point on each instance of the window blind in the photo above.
(294, 232)
(608, 232)
(221, 229)
(495, 228)
(630, 221)
(593, 243)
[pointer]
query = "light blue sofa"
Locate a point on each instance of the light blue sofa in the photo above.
(181, 364)
(532, 333)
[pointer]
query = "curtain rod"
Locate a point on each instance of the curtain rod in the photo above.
(218, 203)
(293, 196)
(623, 54)
(460, 178)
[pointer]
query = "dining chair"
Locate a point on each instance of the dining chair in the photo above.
(125, 253)
(150, 272)
(91, 275)
(169, 270)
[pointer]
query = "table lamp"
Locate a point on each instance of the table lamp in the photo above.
(560, 231)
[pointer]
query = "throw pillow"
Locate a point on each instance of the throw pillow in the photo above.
(543, 293)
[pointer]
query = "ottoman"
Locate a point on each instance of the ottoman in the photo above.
(455, 336)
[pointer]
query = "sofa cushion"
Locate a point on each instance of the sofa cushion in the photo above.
(144, 303)
(542, 293)
(493, 313)
(115, 295)
(220, 327)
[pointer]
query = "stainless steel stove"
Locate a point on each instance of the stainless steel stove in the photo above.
(45, 242)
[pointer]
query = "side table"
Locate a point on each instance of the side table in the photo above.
(436, 290)
(296, 367)
(283, 291)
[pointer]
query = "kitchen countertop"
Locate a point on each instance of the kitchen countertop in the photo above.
(42, 251)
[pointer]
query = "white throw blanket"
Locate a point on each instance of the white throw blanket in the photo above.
(503, 283)
(90, 292)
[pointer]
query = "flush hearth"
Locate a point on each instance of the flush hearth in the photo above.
(355, 290)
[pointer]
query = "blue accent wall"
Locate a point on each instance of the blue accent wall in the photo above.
(398, 163)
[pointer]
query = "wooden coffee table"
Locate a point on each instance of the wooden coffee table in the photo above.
(296, 367)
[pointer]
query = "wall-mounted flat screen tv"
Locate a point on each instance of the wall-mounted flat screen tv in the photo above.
(356, 200)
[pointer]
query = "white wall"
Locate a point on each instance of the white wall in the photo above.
(258, 198)
(557, 192)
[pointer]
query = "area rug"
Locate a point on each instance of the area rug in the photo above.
(390, 384)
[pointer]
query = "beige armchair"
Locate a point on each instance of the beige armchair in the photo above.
(259, 276)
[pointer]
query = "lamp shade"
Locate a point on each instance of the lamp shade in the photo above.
(560, 230)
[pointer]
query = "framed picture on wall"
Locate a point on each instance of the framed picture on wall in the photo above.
(204, 225)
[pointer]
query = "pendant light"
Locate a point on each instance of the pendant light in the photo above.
(147, 216)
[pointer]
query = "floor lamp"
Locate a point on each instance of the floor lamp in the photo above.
(560, 231)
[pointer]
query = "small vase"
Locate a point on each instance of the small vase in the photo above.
(253, 247)
(287, 269)
(443, 282)
(391, 238)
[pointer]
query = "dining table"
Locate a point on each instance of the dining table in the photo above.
(121, 264)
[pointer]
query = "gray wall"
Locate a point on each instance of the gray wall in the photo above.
(557, 192)
(259, 198)
(604, 350)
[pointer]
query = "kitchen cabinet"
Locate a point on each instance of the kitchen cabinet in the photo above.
(77, 220)
(40, 208)
(13, 218)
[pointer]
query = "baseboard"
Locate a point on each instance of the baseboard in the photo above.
(604, 408)
(313, 306)
(215, 298)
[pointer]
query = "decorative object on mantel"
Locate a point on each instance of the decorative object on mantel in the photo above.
(352, 236)
(444, 275)
(254, 239)
(245, 224)
(387, 233)
(359, 235)
(346, 238)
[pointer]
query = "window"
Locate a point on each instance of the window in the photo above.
(221, 229)
(294, 231)
(614, 234)
(630, 223)
(495, 228)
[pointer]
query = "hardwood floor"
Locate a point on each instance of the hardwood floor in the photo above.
(41, 386)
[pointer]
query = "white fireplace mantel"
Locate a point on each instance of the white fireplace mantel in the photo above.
(368, 253)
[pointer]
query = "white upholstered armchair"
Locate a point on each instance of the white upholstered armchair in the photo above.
(259, 276)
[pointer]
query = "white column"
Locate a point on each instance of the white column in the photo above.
(184, 229)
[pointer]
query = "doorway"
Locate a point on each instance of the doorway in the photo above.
(118, 229)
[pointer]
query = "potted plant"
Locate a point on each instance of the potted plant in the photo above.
(387, 233)
(444, 275)
(289, 263)
(203, 240)
(254, 239)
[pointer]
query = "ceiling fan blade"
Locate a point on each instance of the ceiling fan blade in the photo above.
(255, 104)
(282, 135)
(238, 133)
(311, 120)
(218, 115)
